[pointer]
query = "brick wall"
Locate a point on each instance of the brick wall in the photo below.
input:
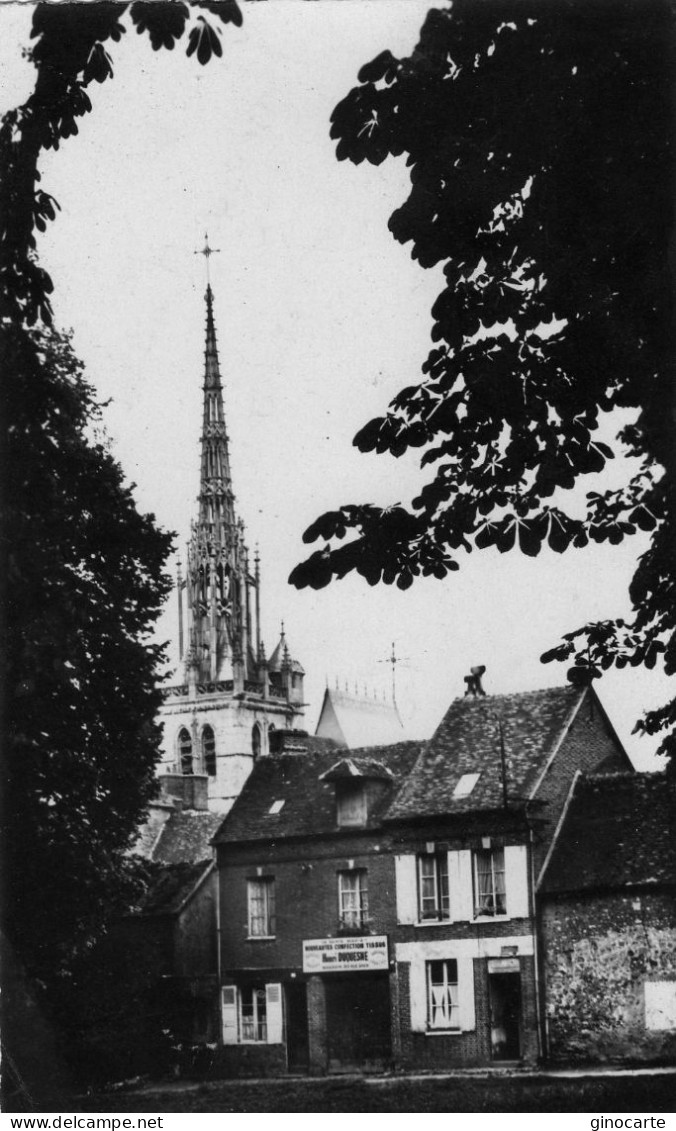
(598, 953)
(588, 744)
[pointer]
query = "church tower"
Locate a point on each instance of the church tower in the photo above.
(220, 718)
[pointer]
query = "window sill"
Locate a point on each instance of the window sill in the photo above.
(260, 938)
(490, 919)
(434, 923)
(443, 1032)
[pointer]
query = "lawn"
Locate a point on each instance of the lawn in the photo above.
(430, 1094)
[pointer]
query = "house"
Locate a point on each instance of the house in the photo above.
(170, 939)
(608, 915)
(381, 901)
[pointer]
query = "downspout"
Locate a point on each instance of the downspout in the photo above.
(542, 1036)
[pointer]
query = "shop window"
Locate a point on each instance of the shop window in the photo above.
(489, 883)
(261, 900)
(209, 751)
(353, 899)
(433, 894)
(185, 751)
(443, 1009)
(253, 1014)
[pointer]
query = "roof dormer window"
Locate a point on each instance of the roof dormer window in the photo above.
(350, 803)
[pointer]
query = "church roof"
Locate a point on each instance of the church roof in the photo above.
(309, 807)
(628, 821)
(467, 744)
(355, 721)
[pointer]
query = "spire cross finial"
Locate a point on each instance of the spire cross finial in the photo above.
(393, 659)
(207, 252)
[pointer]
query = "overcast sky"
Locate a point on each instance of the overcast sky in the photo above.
(321, 318)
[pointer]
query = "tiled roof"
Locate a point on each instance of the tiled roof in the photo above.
(618, 832)
(186, 837)
(309, 803)
(171, 886)
(355, 721)
(468, 741)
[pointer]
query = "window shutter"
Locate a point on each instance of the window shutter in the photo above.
(407, 888)
(273, 1011)
(460, 885)
(229, 1014)
(418, 991)
(466, 994)
(516, 881)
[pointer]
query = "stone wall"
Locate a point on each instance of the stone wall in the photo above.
(599, 951)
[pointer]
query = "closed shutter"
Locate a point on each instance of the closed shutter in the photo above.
(418, 989)
(229, 1014)
(516, 881)
(460, 886)
(407, 888)
(273, 1011)
(466, 994)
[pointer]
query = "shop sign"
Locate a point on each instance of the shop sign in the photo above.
(324, 956)
(503, 965)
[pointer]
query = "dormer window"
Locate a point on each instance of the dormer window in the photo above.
(350, 803)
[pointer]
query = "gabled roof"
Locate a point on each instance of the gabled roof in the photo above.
(309, 800)
(171, 888)
(619, 832)
(368, 769)
(354, 721)
(186, 837)
(468, 741)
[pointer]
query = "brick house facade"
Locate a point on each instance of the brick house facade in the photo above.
(381, 902)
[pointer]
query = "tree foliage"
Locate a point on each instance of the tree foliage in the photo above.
(85, 583)
(71, 52)
(537, 137)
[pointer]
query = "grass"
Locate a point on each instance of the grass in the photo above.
(599, 1094)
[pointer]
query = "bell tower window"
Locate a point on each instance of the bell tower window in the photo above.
(209, 751)
(185, 751)
(256, 740)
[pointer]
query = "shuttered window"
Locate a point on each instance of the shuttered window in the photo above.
(443, 1004)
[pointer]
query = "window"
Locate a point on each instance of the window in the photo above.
(465, 785)
(209, 751)
(443, 1010)
(353, 898)
(185, 750)
(256, 740)
(351, 803)
(261, 898)
(276, 807)
(489, 882)
(433, 902)
(253, 1014)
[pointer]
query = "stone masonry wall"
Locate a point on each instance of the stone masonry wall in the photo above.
(599, 951)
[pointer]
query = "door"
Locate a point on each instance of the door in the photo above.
(358, 1019)
(297, 1045)
(505, 993)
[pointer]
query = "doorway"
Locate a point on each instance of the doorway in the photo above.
(297, 1043)
(505, 996)
(358, 1020)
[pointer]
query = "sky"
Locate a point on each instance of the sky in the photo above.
(321, 318)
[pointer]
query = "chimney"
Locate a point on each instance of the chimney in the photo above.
(473, 682)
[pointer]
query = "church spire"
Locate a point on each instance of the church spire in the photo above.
(217, 576)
